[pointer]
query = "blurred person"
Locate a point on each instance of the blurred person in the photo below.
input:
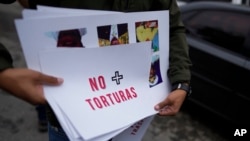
(24, 83)
(179, 61)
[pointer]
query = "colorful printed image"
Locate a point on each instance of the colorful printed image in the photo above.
(68, 38)
(155, 72)
(148, 31)
(113, 35)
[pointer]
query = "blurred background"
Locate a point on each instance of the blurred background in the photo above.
(218, 34)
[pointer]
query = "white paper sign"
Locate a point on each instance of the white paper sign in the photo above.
(44, 34)
(135, 132)
(102, 85)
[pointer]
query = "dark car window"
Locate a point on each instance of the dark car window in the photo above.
(227, 29)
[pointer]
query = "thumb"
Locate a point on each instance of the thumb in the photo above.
(162, 104)
(50, 80)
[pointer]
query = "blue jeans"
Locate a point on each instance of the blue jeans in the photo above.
(41, 112)
(57, 134)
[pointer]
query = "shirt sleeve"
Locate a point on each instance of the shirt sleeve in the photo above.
(180, 63)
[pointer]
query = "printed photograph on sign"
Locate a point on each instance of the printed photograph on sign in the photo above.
(68, 38)
(115, 34)
(155, 72)
(148, 31)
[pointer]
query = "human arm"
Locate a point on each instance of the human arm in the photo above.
(23, 83)
(179, 68)
(26, 84)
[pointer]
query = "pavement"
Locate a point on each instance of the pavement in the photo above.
(18, 119)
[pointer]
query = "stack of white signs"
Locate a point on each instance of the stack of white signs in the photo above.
(114, 67)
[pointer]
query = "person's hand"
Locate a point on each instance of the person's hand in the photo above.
(27, 84)
(172, 104)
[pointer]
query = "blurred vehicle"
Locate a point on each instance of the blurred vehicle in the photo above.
(218, 35)
(244, 2)
(180, 2)
(241, 2)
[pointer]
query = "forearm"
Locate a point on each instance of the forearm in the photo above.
(179, 68)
